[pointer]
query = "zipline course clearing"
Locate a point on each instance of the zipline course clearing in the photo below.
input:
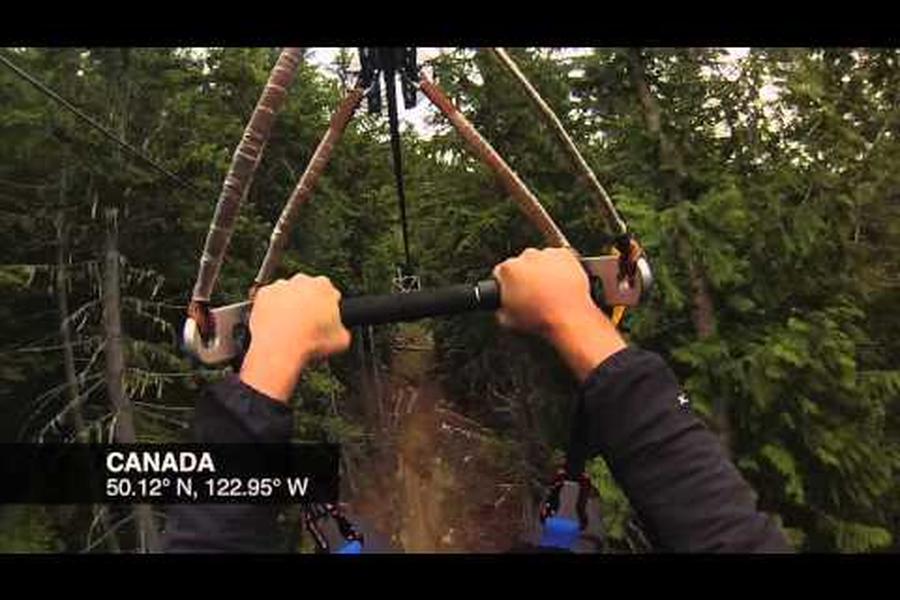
(425, 487)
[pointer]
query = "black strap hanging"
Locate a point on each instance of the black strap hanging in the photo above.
(393, 123)
(390, 63)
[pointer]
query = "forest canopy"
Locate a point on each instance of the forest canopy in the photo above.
(763, 185)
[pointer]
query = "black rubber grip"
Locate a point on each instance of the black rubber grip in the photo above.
(411, 306)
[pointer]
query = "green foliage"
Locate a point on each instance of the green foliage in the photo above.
(27, 529)
(786, 202)
(857, 537)
(316, 409)
(616, 510)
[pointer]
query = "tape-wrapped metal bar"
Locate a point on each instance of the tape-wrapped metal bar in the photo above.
(524, 198)
(306, 184)
(565, 142)
(244, 162)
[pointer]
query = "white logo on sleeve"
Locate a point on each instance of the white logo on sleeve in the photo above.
(683, 399)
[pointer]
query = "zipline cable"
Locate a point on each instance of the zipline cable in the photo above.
(47, 91)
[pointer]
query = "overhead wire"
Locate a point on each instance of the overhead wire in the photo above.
(96, 125)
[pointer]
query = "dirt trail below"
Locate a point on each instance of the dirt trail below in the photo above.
(435, 484)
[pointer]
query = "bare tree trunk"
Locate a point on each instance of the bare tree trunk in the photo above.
(671, 164)
(124, 431)
(670, 160)
(376, 378)
(62, 304)
(536, 455)
(368, 402)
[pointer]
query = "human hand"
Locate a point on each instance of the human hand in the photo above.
(547, 293)
(291, 323)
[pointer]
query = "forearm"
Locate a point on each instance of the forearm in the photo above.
(585, 341)
(672, 468)
(231, 412)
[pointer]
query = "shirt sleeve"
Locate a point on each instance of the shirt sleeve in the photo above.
(673, 469)
(230, 411)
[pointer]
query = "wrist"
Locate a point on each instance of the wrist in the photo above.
(585, 341)
(270, 373)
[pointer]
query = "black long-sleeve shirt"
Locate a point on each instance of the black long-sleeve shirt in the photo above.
(230, 411)
(673, 469)
(688, 494)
